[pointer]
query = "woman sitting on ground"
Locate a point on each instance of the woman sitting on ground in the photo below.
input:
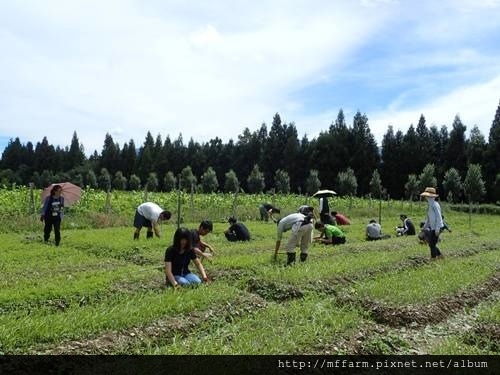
(177, 259)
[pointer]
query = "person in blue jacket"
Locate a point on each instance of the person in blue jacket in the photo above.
(52, 213)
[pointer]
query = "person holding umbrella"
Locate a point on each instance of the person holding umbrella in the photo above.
(52, 213)
(324, 208)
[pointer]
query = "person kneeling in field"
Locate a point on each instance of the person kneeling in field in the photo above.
(199, 246)
(302, 227)
(374, 231)
(333, 234)
(237, 231)
(177, 259)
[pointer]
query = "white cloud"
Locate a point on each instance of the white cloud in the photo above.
(476, 105)
(97, 67)
(126, 67)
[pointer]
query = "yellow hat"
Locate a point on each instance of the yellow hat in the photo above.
(429, 192)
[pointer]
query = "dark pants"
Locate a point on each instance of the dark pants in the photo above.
(231, 236)
(326, 218)
(338, 240)
(56, 223)
(433, 240)
(264, 214)
(140, 221)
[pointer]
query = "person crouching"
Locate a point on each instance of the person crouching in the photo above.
(177, 259)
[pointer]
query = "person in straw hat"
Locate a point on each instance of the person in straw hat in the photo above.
(433, 222)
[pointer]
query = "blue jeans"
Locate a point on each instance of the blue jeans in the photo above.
(188, 279)
(433, 240)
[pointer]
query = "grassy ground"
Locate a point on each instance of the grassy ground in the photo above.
(102, 292)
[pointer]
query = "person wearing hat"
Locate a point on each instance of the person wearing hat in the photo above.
(237, 231)
(433, 222)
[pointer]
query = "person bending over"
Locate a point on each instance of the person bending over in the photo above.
(149, 215)
(301, 228)
(332, 234)
(200, 246)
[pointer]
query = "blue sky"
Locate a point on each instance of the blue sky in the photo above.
(129, 66)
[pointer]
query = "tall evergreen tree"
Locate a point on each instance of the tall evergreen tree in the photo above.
(76, 154)
(128, 158)
(476, 146)
(492, 162)
(392, 168)
(456, 150)
(425, 152)
(145, 163)
(45, 156)
(364, 152)
(110, 155)
(273, 155)
(12, 155)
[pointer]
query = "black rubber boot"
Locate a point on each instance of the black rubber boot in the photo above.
(291, 259)
(303, 257)
(136, 236)
(149, 235)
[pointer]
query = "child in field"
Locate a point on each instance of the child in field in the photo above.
(199, 246)
(177, 259)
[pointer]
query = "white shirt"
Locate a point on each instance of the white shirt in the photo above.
(434, 219)
(150, 211)
(288, 222)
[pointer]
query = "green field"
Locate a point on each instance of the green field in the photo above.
(102, 292)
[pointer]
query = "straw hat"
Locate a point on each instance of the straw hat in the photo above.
(429, 192)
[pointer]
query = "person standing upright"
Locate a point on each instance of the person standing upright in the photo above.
(433, 221)
(52, 212)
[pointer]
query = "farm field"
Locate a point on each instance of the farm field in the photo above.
(101, 292)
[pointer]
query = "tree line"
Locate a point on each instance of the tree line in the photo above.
(345, 157)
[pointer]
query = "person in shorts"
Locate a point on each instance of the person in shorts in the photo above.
(149, 215)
